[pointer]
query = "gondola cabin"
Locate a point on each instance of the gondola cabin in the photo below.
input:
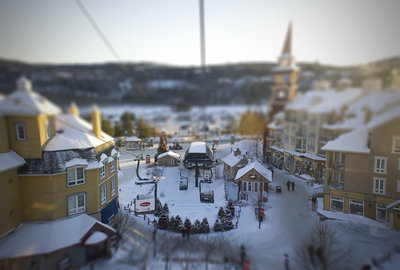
(200, 153)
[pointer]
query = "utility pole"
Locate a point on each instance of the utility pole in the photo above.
(203, 65)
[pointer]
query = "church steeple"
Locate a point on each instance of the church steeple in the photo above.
(287, 46)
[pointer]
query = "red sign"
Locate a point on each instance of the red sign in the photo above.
(145, 204)
(252, 176)
(246, 264)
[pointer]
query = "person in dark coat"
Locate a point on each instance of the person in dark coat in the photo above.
(288, 185)
(293, 185)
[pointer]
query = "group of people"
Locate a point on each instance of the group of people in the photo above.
(290, 183)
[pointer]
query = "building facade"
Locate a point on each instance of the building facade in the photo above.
(58, 165)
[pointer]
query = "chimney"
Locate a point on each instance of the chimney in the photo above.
(73, 109)
(4, 148)
(237, 152)
(96, 121)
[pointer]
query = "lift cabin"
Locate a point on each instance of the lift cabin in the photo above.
(198, 153)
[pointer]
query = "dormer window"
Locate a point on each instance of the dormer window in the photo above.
(20, 131)
(76, 176)
(396, 145)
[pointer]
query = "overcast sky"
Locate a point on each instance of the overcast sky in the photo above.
(338, 32)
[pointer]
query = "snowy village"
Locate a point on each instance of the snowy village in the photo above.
(305, 175)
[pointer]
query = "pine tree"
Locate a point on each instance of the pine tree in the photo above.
(228, 214)
(163, 221)
(227, 224)
(221, 213)
(162, 147)
(179, 226)
(205, 227)
(172, 224)
(158, 210)
(165, 208)
(231, 208)
(218, 226)
(187, 224)
(197, 226)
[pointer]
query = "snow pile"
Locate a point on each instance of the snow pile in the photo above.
(10, 161)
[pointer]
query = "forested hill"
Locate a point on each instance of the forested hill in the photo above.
(148, 83)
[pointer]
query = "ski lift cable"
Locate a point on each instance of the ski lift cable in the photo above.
(109, 46)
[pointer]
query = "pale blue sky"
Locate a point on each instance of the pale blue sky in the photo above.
(336, 32)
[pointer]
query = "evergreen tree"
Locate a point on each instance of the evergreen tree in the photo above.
(158, 210)
(221, 213)
(172, 224)
(231, 208)
(165, 208)
(187, 223)
(178, 218)
(179, 226)
(227, 224)
(228, 214)
(162, 147)
(205, 227)
(218, 226)
(163, 221)
(197, 226)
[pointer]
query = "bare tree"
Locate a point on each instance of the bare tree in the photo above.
(321, 250)
(123, 221)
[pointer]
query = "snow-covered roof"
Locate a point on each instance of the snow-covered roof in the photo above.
(96, 238)
(231, 160)
(395, 203)
(34, 238)
(10, 160)
(24, 101)
(76, 134)
(256, 166)
(132, 139)
(76, 162)
(197, 147)
(169, 153)
(335, 100)
(356, 140)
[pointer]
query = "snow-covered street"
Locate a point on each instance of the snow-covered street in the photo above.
(289, 219)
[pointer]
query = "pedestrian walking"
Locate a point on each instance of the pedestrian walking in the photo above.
(288, 185)
(293, 185)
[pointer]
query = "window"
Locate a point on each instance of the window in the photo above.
(396, 145)
(340, 158)
(20, 131)
(113, 186)
(76, 176)
(337, 203)
(380, 165)
(398, 165)
(398, 185)
(112, 165)
(379, 185)
(244, 186)
(380, 212)
(356, 207)
(103, 171)
(311, 146)
(76, 203)
(103, 195)
(292, 140)
(286, 139)
(250, 184)
(255, 187)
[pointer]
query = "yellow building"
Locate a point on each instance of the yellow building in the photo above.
(363, 170)
(53, 165)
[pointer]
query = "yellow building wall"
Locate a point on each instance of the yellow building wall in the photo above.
(10, 207)
(4, 147)
(36, 134)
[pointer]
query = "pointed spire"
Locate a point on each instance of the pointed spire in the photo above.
(287, 46)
